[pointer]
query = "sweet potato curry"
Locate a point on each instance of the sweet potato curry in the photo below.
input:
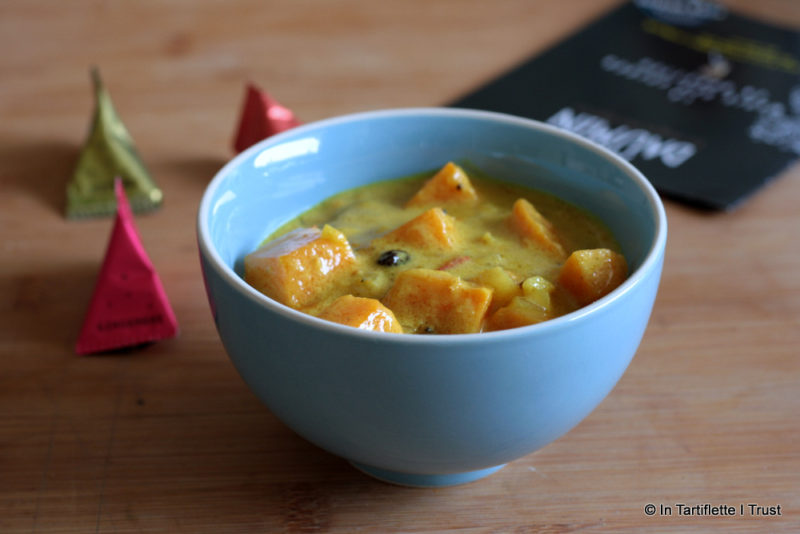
(445, 253)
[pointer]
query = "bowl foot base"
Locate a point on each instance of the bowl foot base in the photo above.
(425, 481)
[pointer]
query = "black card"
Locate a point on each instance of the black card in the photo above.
(708, 109)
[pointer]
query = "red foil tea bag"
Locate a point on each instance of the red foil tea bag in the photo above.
(129, 306)
(261, 117)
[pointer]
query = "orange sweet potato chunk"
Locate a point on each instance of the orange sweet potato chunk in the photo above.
(431, 229)
(450, 184)
(295, 268)
(364, 313)
(533, 227)
(431, 301)
(592, 273)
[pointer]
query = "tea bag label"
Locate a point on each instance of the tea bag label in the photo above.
(706, 103)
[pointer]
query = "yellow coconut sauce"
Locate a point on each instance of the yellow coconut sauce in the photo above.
(466, 243)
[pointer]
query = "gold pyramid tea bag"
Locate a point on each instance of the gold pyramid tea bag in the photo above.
(109, 152)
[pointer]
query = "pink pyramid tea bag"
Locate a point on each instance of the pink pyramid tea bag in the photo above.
(261, 117)
(129, 306)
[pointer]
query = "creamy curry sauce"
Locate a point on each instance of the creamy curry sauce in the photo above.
(483, 239)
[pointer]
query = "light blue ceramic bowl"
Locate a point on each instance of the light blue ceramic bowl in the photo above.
(426, 410)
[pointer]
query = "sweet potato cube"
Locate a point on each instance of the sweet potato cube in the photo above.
(534, 228)
(521, 311)
(364, 313)
(431, 229)
(431, 301)
(501, 282)
(450, 185)
(295, 268)
(592, 273)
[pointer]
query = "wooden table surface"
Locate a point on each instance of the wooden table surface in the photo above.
(167, 438)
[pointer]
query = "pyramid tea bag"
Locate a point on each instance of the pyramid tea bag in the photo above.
(261, 117)
(109, 152)
(129, 306)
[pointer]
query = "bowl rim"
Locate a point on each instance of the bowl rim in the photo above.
(651, 258)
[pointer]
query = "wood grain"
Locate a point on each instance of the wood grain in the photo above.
(167, 438)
